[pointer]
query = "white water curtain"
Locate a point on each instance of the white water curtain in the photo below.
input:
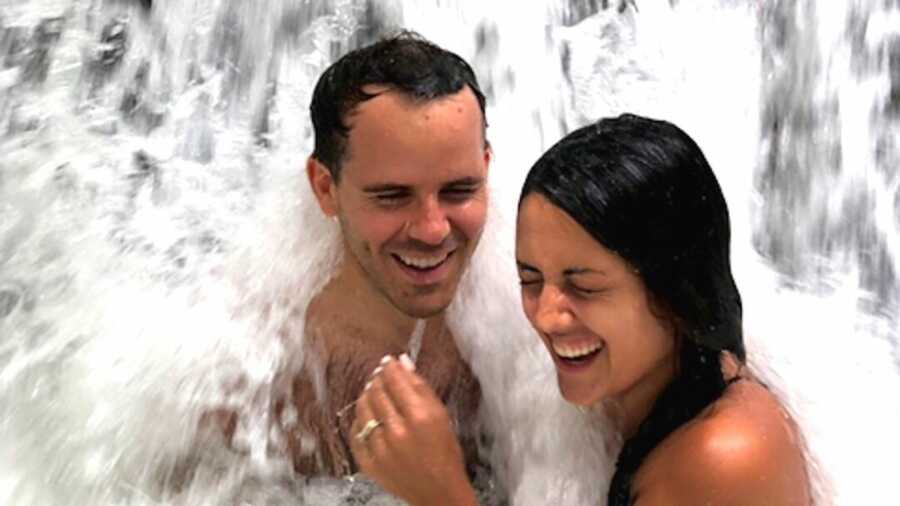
(157, 233)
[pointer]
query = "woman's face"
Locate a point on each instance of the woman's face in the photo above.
(589, 306)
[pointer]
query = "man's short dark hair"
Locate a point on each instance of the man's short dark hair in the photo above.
(405, 62)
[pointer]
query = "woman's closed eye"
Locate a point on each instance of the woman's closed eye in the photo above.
(529, 282)
(529, 277)
(586, 291)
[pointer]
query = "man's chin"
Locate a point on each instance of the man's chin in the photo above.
(424, 300)
(425, 309)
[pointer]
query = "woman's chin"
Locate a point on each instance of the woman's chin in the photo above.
(582, 400)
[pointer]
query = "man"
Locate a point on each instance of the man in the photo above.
(401, 163)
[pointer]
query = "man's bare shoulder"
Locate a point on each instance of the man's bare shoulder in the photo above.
(743, 450)
(341, 346)
(336, 328)
(324, 320)
(337, 360)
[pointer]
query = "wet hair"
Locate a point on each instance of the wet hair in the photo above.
(405, 62)
(643, 189)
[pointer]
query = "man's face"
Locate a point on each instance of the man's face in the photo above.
(412, 197)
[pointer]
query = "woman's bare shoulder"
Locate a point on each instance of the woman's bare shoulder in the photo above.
(743, 450)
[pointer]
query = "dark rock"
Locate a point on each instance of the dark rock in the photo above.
(579, 10)
(108, 54)
(13, 46)
(485, 62)
(37, 57)
(135, 108)
(893, 105)
(145, 5)
(144, 164)
(797, 230)
(565, 58)
(9, 299)
(113, 44)
(374, 24)
(146, 168)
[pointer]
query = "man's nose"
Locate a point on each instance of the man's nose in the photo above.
(553, 314)
(430, 224)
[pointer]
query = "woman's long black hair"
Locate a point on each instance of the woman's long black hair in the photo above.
(643, 189)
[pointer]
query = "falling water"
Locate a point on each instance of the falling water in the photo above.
(157, 237)
(415, 340)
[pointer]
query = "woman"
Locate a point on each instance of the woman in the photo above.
(623, 253)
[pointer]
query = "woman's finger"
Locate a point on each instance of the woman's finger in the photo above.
(358, 439)
(382, 405)
(408, 391)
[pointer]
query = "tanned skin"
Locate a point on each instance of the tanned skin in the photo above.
(411, 202)
(350, 351)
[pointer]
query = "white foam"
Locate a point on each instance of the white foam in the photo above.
(148, 296)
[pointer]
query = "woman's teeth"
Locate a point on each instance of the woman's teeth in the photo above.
(424, 262)
(579, 351)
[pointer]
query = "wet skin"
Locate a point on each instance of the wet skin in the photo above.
(412, 198)
(592, 313)
(611, 344)
(411, 201)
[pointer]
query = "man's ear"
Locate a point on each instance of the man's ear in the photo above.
(323, 186)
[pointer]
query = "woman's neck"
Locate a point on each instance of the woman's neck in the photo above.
(630, 408)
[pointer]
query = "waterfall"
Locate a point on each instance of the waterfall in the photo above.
(157, 233)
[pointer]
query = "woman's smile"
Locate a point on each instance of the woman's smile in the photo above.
(574, 290)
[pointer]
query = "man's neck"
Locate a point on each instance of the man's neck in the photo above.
(367, 306)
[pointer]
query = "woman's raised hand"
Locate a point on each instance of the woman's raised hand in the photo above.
(403, 439)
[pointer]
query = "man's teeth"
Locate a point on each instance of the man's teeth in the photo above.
(568, 351)
(422, 263)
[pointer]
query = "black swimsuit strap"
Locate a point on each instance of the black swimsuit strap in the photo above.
(734, 379)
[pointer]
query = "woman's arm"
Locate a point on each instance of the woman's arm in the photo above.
(403, 439)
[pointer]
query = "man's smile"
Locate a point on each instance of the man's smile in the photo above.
(425, 270)
(423, 262)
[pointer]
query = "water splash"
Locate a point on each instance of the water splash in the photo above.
(830, 137)
(415, 340)
(157, 240)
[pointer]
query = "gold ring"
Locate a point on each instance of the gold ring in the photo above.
(367, 430)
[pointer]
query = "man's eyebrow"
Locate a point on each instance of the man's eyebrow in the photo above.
(384, 187)
(389, 187)
(466, 181)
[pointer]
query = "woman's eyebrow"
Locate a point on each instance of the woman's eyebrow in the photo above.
(525, 267)
(575, 271)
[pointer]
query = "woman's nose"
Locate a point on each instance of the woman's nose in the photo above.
(553, 314)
